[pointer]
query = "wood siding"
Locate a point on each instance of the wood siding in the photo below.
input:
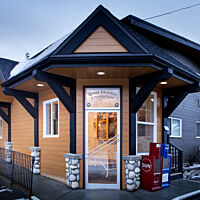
(4, 132)
(22, 128)
(53, 149)
(100, 41)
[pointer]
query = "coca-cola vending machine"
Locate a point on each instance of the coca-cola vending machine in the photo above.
(151, 169)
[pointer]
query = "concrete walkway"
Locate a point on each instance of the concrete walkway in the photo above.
(49, 189)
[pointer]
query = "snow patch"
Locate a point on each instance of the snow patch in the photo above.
(24, 65)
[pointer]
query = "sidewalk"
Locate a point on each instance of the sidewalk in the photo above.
(48, 189)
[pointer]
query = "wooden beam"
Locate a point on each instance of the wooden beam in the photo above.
(173, 102)
(186, 88)
(161, 75)
(32, 110)
(73, 120)
(148, 83)
(56, 83)
(27, 105)
(5, 105)
(132, 120)
(63, 80)
(57, 88)
(6, 117)
(21, 93)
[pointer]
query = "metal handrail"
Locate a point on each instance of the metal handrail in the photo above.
(177, 158)
(103, 143)
(102, 148)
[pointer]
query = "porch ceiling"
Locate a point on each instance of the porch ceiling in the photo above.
(91, 73)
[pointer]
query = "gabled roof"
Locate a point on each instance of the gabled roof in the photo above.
(5, 68)
(68, 43)
(160, 52)
(137, 22)
(130, 32)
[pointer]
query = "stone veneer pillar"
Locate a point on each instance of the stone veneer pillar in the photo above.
(8, 151)
(72, 169)
(132, 172)
(35, 152)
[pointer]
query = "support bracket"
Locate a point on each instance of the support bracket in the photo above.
(176, 95)
(56, 83)
(21, 97)
(148, 83)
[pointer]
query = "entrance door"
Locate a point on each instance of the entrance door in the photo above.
(102, 149)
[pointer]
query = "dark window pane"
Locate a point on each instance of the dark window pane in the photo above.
(198, 129)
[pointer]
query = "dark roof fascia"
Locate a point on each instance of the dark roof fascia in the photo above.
(18, 79)
(2, 77)
(100, 17)
(111, 60)
(181, 71)
(134, 21)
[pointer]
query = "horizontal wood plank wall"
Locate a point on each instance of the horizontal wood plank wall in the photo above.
(100, 41)
(159, 115)
(4, 131)
(22, 128)
(53, 149)
(125, 118)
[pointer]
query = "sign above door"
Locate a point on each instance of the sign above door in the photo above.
(102, 97)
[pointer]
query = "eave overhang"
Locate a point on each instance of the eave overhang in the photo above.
(102, 60)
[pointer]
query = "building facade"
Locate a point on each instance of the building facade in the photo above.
(99, 95)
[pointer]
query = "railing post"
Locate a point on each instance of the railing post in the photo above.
(180, 164)
(13, 163)
(32, 164)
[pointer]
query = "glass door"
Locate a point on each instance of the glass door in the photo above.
(102, 147)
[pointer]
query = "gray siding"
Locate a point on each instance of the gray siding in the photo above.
(189, 112)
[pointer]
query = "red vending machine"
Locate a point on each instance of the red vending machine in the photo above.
(151, 169)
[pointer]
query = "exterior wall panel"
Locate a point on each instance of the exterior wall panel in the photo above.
(53, 149)
(22, 128)
(100, 41)
(189, 112)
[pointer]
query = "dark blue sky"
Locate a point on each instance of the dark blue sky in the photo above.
(31, 25)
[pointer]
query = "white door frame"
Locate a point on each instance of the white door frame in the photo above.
(103, 185)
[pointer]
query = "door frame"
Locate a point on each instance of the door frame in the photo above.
(121, 121)
(103, 185)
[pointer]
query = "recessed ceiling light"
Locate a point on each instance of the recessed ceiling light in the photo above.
(101, 73)
(163, 83)
(40, 85)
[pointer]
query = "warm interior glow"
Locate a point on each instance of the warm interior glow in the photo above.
(40, 85)
(101, 73)
(163, 83)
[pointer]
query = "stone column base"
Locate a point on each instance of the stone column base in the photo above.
(72, 170)
(132, 172)
(35, 152)
(8, 151)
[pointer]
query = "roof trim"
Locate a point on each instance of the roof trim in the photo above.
(130, 19)
(99, 60)
(100, 17)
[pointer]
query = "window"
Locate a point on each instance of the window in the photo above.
(146, 124)
(175, 127)
(1, 128)
(51, 118)
(198, 130)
